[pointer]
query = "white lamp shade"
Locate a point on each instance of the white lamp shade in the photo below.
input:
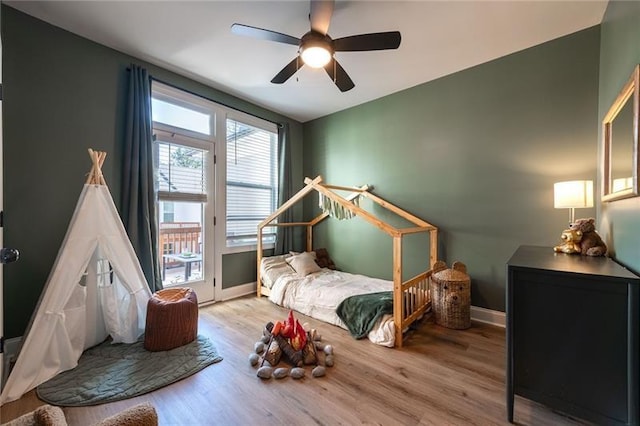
(573, 194)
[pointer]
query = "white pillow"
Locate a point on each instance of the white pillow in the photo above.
(303, 263)
(272, 267)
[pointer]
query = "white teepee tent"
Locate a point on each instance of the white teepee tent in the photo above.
(95, 289)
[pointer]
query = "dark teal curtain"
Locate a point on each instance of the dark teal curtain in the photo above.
(284, 234)
(138, 192)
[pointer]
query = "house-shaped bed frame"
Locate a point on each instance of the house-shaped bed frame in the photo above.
(411, 298)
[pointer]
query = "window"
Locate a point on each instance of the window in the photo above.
(183, 199)
(184, 172)
(252, 181)
(212, 161)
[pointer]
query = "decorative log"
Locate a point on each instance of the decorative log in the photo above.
(309, 351)
(294, 357)
(266, 353)
(267, 329)
(273, 353)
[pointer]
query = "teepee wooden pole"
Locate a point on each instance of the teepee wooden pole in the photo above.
(95, 176)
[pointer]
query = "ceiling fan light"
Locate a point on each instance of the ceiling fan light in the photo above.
(315, 56)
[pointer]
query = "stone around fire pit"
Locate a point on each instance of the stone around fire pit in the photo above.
(280, 373)
(297, 373)
(265, 372)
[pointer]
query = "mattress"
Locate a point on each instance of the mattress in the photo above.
(319, 294)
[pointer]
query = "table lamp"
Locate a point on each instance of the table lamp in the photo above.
(575, 194)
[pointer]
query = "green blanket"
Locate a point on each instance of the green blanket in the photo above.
(361, 312)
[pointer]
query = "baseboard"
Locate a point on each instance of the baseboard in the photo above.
(488, 316)
(238, 291)
(11, 348)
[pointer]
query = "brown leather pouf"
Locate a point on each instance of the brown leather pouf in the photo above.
(172, 319)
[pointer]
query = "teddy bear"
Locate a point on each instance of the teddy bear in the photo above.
(591, 243)
(570, 242)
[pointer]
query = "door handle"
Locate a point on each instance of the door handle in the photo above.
(9, 255)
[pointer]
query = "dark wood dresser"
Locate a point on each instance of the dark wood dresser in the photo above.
(572, 335)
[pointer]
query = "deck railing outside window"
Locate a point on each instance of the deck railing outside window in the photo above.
(179, 237)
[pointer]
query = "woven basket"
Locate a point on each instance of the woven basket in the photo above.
(451, 296)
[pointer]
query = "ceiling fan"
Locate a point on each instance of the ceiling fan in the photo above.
(316, 48)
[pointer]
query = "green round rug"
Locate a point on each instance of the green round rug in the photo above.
(108, 372)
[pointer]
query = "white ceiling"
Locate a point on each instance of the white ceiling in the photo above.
(438, 38)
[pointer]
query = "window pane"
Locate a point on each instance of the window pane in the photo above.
(246, 208)
(250, 154)
(167, 212)
(251, 181)
(248, 202)
(175, 115)
(181, 242)
(181, 170)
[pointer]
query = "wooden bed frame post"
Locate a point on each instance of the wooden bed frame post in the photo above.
(397, 288)
(309, 237)
(433, 247)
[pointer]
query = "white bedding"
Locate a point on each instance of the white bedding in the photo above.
(272, 267)
(319, 294)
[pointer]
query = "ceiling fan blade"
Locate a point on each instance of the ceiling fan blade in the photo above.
(363, 42)
(320, 15)
(289, 70)
(339, 76)
(248, 31)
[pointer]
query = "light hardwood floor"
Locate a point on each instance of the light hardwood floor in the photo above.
(440, 377)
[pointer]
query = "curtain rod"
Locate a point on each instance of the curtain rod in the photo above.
(280, 125)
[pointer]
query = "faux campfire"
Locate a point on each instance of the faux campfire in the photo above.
(289, 341)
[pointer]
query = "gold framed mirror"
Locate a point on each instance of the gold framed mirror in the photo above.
(620, 143)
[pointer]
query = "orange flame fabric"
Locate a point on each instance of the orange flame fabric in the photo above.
(292, 330)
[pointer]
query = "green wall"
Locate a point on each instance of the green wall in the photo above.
(475, 153)
(619, 221)
(62, 95)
